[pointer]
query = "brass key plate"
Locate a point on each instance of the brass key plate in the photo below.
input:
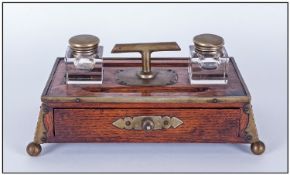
(162, 78)
(159, 122)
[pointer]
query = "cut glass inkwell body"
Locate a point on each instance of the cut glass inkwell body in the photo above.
(208, 60)
(83, 59)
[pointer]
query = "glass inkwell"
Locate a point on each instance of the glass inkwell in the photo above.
(83, 59)
(208, 62)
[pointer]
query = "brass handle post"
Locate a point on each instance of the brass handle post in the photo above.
(145, 49)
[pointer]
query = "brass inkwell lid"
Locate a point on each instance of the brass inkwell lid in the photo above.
(84, 42)
(83, 45)
(208, 44)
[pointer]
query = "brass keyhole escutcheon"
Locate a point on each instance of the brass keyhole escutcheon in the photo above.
(147, 124)
(165, 123)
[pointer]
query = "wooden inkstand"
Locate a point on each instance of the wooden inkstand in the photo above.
(148, 100)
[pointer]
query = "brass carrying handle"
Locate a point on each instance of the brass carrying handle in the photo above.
(145, 49)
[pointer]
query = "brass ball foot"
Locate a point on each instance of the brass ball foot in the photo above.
(33, 149)
(258, 148)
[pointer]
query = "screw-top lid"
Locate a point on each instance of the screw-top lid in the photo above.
(208, 40)
(84, 42)
(208, 43)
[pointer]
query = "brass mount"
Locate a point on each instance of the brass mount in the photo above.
(147, 123)
(145, 49)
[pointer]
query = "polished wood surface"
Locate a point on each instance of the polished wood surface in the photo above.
(85, 113)
(199, 125)
(58, 88)
(84, 121)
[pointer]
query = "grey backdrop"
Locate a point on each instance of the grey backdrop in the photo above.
(35, 34)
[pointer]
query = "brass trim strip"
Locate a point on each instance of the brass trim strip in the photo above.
(251, 133)
(181, 99)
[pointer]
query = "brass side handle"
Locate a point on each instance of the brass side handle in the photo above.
(145, 49)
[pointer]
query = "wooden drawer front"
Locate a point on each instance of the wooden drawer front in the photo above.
(95, 125)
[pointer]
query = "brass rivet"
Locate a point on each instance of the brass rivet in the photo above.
(128, 123)
(45, 110)
(249, 137)
(214, 100)
(165, 122)
(246, 109)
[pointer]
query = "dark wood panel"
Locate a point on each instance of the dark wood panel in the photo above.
(95, 125)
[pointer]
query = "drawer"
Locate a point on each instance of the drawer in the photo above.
(95, 125)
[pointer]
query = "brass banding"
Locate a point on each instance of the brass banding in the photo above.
(84, 53)
(83, 49)
(202, 48)
(206, 49)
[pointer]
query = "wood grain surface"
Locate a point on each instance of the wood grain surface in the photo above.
(77, 120)
(58, 88)
(95, 125)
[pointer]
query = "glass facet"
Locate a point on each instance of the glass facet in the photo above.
(208, 69)
(82, 68)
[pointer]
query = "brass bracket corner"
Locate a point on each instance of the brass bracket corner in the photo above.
(147, 123)
(40, 132)
(251, 134)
